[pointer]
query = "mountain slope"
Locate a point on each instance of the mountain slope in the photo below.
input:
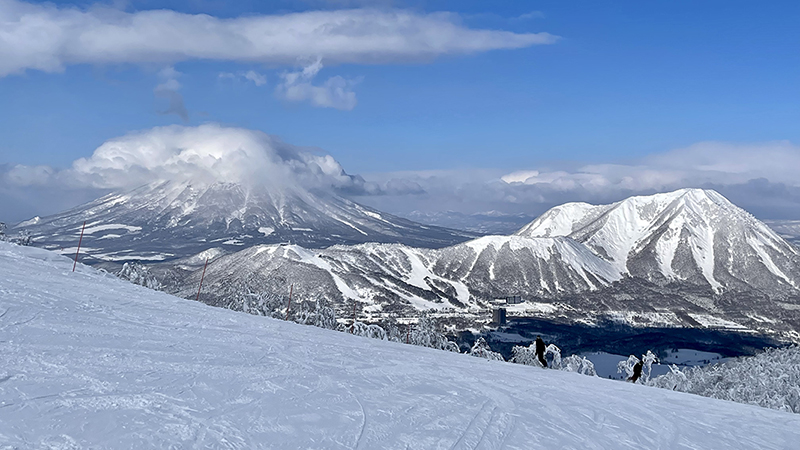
(393, 277)
(169, 220)
(95, 362)
(691, 235)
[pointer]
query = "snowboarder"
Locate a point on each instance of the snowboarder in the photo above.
(540, 351)
(637, 371)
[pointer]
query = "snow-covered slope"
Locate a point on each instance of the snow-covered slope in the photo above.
(690, 235)
(90, 361)
(169, 220)
(505, 265)
(394, 277)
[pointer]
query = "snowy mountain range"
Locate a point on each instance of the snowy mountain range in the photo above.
(685, 258)
(91, 361)
(168, 220)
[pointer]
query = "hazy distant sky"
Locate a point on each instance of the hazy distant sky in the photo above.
(596, 99)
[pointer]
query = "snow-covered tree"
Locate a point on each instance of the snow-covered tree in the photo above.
(244, 297)
(23, 238)
(555, 356)
(674, 380)
(525, 355)
(647, 361)
(579, 364)
(426, 333)
(370, 331)
(482, 350)
(572, 363)
(317, 313)
(626, 367)
(139, 274)
(395, 331)
(770, 379)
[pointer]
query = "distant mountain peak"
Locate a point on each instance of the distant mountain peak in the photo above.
(174, 219)
(685, 235)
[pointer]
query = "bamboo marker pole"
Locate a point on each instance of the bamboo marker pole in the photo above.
(79, 247)
(201, 281)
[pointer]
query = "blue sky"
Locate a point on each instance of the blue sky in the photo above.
(618, 83)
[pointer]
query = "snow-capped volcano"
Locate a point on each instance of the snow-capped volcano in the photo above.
(168, 220)
(690, 235)
(182, 190)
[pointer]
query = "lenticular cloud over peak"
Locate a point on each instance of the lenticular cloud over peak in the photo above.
(206, 154)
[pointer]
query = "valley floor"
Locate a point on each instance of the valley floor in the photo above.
(90, 361)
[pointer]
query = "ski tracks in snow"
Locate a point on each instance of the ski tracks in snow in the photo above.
(93, 362)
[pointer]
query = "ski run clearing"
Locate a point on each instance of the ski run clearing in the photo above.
(92, 362)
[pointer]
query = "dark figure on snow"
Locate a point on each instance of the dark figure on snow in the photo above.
(637, 372)
(540, 351)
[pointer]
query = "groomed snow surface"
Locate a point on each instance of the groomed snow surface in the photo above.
(90, 361)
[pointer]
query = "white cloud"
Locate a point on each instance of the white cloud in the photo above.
(760, 177)
(251, 75)
(20, 175)
(531, 15)
(204, 154)
(702, 163)
(48, 38)
(336, 92)
(207, 153)
(255, 77)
